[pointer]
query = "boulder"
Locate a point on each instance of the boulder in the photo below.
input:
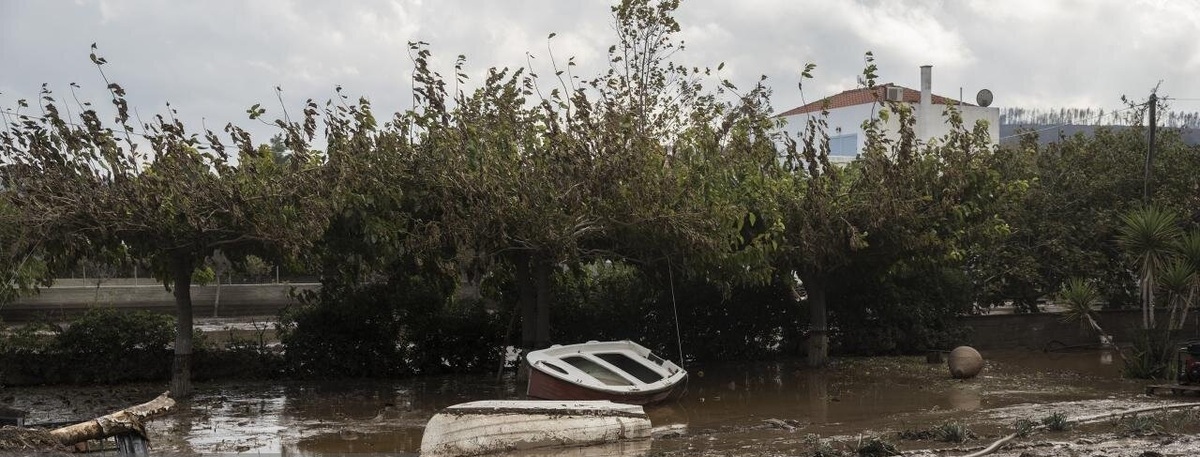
(964, 362)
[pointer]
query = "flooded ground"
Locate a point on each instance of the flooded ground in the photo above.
(731, 409)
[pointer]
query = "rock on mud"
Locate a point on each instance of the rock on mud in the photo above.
(964, 362)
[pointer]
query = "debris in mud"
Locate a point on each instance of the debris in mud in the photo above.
(790, 425)
(24, 439)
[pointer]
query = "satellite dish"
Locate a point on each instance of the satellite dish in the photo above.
(983, 98)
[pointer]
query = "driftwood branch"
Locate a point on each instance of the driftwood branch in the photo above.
(1002, 441)
(124, 421)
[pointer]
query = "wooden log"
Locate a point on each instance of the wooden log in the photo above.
(124, 421)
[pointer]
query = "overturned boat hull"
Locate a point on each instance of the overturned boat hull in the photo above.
(491, 427)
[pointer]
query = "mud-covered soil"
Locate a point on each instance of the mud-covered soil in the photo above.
(731, 409)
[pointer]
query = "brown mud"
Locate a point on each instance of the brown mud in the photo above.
(730, 409)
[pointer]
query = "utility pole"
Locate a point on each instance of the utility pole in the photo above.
(1150, 151)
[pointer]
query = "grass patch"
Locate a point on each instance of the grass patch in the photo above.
(1056, 422)
(1139, 426)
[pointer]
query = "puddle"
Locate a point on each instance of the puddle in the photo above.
(730, 409)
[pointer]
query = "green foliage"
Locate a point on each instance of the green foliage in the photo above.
(1142, 425)
(618, 301)
(31, 338)
(241, 357)
(203, 276)
(343, 331)
(875, 447)
(1056, 422)
(111, 330)
(402, 326)
(902, 308)
(88, 190)
(107, 345)
(1078, 296)
(953, 432)
(255, 268)
(1152, 355)
(1078, 188)
(597, 197)
(1023, 427)
(22, 271)
(1180, 421)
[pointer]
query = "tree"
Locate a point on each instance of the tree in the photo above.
(904, 205)
(541, 178)
(1149, 235)
(22, 269)
(90, 190)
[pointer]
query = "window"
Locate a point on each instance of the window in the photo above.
(844, 145)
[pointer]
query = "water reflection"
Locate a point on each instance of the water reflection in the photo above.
(853, 395)
(965, 397)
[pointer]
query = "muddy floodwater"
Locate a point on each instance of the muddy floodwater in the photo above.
(730, 409)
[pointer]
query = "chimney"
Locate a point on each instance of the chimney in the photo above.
(926, 85)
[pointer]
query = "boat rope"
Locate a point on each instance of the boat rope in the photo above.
(675, 308)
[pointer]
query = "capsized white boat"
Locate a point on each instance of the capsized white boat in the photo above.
(620, 371)
(508, 426)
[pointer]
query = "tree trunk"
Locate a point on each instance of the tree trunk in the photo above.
(1096, 326)
(818, 338)
(123, 421)
(181, 371)
(528, 303)
(542, 273)
(217, 298)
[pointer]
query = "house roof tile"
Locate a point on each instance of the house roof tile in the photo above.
(863, 96)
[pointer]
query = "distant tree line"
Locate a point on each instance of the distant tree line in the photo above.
(1096, 117)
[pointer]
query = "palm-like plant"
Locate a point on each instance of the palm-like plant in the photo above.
(1150, 235)
(1177, 279)
(1189, 257)
(1080, 296)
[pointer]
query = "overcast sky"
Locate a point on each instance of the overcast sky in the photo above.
(213, 59)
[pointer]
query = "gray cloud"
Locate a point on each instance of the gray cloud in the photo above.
(213, 59)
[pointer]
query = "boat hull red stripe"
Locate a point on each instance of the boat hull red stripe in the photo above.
(546, 387)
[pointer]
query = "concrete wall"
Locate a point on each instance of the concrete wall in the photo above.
(848, 120)
(940, 124)
(1038, 331)
(64, 302)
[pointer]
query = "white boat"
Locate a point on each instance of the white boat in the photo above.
(620, 371)
(527, 426)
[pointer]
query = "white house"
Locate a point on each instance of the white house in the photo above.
(848, 110)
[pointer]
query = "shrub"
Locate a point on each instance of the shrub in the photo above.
(344, 331)
(1139, 426)
(404, 325)
(953, 433)
(1056, 422)
(875, 447)
(106, 345)
(613, 301)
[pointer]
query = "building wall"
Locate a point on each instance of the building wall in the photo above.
(66, 302)
(1042, 331)
(970, 115)
(849, 120)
